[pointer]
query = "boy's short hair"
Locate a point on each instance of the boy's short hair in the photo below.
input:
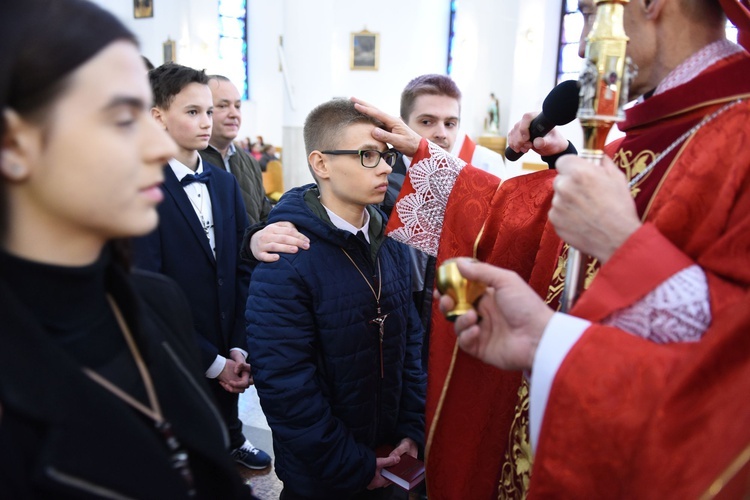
(169, 79)
(325, 124)
(432, 84)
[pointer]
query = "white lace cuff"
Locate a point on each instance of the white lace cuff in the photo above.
(678, 310)
(423, 211)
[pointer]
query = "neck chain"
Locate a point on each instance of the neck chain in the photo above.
(380, 319)
(199, 208)
(179, 456)
(635, 180)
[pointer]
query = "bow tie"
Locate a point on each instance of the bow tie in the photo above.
(191, 178)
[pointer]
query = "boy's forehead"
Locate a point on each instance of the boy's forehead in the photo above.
(359, 136)
(194, 94)
(437, 106)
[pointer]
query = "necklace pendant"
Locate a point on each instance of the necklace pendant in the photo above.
(166, 430)
(178, 457)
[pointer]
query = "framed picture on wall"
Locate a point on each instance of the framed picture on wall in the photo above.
(143, 8)
(365, 50)
(168, 48)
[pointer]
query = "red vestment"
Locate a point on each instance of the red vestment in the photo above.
(696, 205)
(654, 421)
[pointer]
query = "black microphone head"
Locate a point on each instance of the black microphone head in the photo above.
(561, 104)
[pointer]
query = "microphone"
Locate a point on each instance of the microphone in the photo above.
(559, 108)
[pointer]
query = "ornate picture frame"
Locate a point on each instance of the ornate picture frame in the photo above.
(365, 51)
(143, 9)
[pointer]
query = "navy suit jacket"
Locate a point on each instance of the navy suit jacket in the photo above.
(216, 287)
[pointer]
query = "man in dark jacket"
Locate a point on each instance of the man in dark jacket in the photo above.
(333, 335)
(221, 151)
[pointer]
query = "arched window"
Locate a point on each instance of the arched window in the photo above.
(233, 43)
(571, 25)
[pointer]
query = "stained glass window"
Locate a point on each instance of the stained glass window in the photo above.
(451, 36)
(233, 43)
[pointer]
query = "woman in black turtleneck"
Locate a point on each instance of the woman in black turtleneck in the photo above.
(101, 393)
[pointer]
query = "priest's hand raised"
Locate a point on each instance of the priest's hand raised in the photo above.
(592, 208)
(513, 318)
(397, 133)
(519, 138)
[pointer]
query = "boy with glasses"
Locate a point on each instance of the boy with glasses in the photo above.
(333, 336)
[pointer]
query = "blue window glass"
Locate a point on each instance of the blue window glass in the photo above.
(451, 36)
(233, 43)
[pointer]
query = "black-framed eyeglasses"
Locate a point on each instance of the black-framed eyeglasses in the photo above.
(369, 158)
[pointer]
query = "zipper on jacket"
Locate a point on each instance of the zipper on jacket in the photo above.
(382, 371)
(84, 485)
(378, 410)
(211, 406)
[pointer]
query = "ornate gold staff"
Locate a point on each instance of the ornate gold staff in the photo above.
(604, 83)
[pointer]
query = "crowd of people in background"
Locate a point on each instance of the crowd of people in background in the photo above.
(261, 151)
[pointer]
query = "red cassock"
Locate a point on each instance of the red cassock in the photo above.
(696, 207)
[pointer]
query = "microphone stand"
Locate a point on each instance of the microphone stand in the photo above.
(604, 83)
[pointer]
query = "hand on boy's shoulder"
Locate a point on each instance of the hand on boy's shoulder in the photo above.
(279, 237)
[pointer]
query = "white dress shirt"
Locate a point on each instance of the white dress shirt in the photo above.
(197, 193)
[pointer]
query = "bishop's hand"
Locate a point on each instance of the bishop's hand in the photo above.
(513, 318)
(592, 208)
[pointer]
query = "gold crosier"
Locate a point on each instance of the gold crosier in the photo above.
(604, 85)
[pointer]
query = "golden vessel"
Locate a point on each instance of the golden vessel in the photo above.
(464, 292)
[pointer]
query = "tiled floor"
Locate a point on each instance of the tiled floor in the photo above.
(266, 486)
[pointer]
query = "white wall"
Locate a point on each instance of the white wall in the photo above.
(507, 47)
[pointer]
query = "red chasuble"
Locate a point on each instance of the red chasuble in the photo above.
(653, 421)
(696, 205)
(470, 405)
(698, 212)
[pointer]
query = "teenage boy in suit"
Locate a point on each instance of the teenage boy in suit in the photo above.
(197, 244)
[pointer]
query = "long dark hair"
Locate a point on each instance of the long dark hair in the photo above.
(43, 42)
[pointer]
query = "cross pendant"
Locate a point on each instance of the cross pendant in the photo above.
(380, 321)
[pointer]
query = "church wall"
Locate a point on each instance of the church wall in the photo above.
(506, 47)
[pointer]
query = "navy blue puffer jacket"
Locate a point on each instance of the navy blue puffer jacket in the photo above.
(316, 356)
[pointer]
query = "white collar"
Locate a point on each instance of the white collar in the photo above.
(697, 63)
(181, 170)
(345, 226)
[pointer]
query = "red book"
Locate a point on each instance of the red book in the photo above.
(406, 474)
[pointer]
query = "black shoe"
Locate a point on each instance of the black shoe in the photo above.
(251, 457)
